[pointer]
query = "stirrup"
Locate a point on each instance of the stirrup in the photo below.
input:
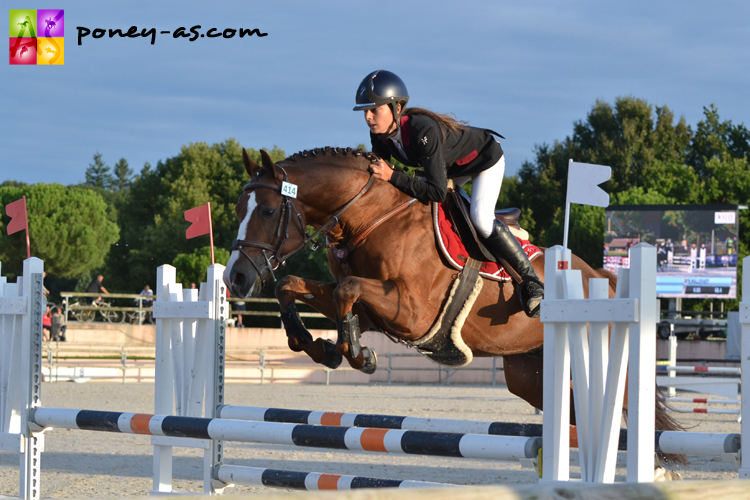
(531, 313)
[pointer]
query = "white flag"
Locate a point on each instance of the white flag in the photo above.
(583, 188)
(583, 184)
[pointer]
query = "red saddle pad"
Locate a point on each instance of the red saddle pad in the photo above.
(455, 251)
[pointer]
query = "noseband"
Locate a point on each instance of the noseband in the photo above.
(282, 231)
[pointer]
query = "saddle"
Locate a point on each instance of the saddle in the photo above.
(453, 229)
(458, 241)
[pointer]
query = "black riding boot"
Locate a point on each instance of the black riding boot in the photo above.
(504, 245)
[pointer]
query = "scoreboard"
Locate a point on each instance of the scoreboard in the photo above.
(697, 287)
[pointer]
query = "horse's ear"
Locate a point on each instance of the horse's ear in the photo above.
(250, 166)
(268, 163)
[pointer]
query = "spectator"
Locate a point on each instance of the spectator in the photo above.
(149, 293)
(240, 307)
(58, 326)
(96, 287)
(47, 323)
(192, 286)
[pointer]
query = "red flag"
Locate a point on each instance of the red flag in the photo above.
(19, 220)
(201, 219)
(201, 224)
(17, 213)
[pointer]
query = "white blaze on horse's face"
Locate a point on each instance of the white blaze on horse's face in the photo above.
(241, 235)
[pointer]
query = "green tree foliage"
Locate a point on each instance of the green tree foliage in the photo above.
(655, 159)
(151, 217)
(68, 228)
(98, 174)
(123, 176)
(191, 267)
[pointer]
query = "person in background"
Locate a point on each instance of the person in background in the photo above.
(47, 323)
(58, 326)
(192, 286)
(96, 287)
(149, 293)
(240, 307)
(45, 292)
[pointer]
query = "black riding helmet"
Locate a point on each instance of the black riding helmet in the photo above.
(382, 87)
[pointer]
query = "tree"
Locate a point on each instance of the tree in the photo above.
(653, 157)
(151, 216)
(654, 160)
(97, 175)
(191, 267)
(123, 176)
(68, 227)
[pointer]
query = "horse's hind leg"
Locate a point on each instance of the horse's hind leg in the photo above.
(318, 295)
(524, 376)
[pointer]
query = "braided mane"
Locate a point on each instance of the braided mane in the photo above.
(334, 155)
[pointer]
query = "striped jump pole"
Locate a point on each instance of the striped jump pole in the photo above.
(670, 442)
(339, 419)
(726, 370)
(705, 410)
(703, 401)
(310, 481)
(315, 436)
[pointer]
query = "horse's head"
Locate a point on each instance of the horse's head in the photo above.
(271, 228)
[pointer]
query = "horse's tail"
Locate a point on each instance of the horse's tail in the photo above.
(665, 422)
(612, 277)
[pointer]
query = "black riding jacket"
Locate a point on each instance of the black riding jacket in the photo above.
(462, 153)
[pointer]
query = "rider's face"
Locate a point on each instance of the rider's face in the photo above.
(380, 119)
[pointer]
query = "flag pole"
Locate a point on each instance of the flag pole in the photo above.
(565, 228)
(211, 233)
(28, 243)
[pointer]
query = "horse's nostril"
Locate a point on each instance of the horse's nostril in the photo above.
(238, 280)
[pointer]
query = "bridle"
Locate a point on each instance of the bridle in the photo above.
(282, 230)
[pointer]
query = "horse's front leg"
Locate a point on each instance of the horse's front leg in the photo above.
(318, 295)
(381, 297)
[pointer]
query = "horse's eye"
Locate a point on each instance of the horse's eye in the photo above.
(267, 211)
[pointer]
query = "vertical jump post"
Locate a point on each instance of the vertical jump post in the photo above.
(568, 345)
(190, 345)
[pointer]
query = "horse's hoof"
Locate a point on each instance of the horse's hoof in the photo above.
(332, 358)
(371, 361)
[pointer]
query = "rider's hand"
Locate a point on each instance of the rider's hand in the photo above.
(382, 170)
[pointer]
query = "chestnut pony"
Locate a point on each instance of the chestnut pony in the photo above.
(394, 280)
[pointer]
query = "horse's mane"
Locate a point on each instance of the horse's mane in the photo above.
(345, 157)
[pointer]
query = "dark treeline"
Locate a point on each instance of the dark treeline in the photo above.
(124, 224)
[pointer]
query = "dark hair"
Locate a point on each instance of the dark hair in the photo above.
(447, 122)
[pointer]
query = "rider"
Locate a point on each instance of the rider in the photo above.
(445, 148)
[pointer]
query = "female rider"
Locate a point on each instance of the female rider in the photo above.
(445, 148)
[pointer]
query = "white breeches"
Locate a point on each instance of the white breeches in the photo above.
(485, 190)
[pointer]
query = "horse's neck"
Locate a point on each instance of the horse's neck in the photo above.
(381, 198)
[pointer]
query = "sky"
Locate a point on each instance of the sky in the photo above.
(528, 70)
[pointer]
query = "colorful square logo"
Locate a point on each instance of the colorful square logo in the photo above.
(36, 36)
